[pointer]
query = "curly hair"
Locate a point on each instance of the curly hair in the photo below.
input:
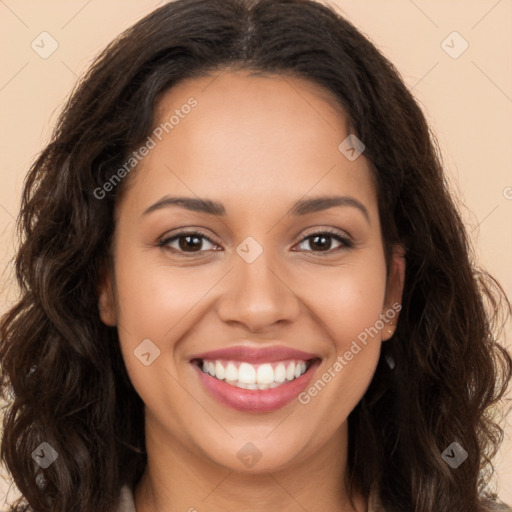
(62, 371)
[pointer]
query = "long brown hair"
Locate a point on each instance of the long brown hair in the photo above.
(61, 367)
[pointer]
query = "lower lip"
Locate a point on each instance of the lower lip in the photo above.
(256, 400)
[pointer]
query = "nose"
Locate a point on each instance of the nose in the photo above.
(258, 295)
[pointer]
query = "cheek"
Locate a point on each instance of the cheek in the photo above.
(349, 305)
(160, 303)
(153, 297)
(347, 299)
(347, 302)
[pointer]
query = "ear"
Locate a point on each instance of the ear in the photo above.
(106, 302)
(394, 291)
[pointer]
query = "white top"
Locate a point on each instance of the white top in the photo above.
(126, 501)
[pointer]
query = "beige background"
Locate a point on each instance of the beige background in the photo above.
(468, 101)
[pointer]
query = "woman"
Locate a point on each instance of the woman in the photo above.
(245, 284)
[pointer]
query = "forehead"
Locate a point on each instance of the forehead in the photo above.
(251, 139)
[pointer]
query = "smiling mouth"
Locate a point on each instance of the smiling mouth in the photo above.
(244, 375)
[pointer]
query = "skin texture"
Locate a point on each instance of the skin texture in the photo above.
(257, 144)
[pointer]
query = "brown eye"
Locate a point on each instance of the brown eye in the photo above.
(322, 241)
(187, 242)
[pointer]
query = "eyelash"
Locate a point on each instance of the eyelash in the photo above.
(345, 241)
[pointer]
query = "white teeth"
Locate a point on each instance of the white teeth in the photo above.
(280, 373)
(248, 376)
(231, 372)
(265, 374)
(290, 372)
(246, 373)
(219, 370)
(300, 369)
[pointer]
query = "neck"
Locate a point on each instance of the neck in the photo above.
(177, 479)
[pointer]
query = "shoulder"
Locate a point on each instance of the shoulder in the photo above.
(492, 505)
(126, 501)
(499, 506)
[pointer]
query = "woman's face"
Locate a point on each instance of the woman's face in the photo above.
(250, 156)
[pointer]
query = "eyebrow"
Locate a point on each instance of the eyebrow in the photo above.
(301, 207)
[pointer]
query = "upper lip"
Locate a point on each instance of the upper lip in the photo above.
(256, 355)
